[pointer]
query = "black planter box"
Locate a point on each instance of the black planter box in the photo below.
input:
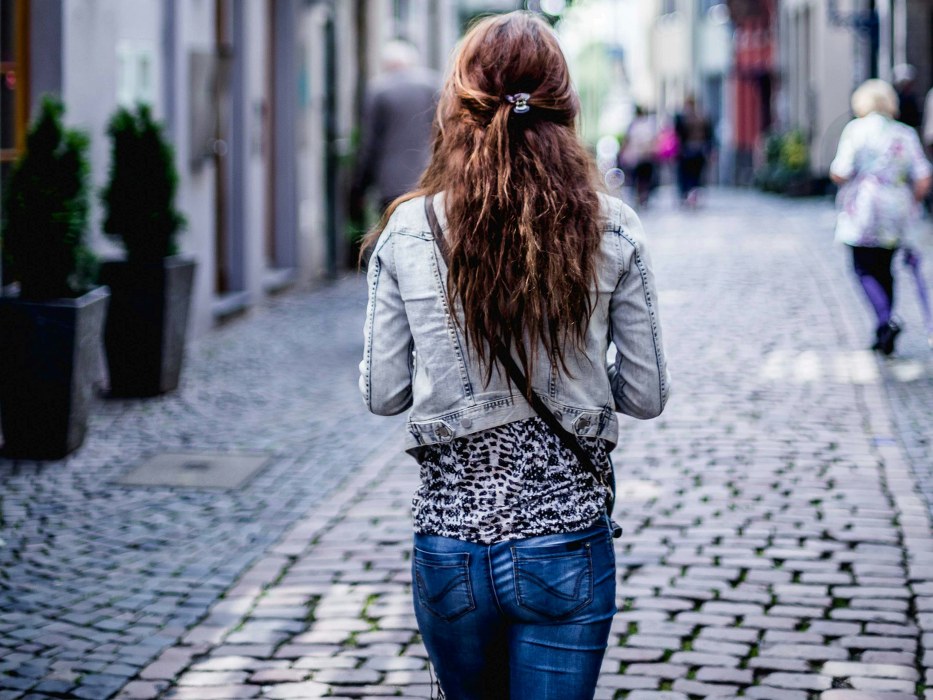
(146, 324)
(47, 370)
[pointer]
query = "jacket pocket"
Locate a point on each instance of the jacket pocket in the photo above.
(552, 581)
(442, 580)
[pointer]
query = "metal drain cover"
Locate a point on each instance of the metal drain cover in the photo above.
(195, 470)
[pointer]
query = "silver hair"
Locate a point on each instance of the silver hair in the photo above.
(399, 54)
(875, 96)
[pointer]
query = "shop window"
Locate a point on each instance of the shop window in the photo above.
(14, 80)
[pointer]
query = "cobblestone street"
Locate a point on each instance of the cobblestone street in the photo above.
(777, 544)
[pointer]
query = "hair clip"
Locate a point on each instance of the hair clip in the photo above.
(520, 102)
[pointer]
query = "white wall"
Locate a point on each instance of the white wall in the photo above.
(312, 207)
(818, 75)
(93, 31)
(195, 31)
(672, 56)
(832, 49)
(256, 112)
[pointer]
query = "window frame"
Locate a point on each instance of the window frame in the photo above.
(19, 64)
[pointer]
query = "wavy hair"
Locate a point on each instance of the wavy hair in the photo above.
(520, 193)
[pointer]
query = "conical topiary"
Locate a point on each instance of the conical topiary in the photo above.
(45, 210)
(139, 197)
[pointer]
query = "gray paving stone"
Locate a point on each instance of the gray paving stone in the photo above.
(704, 689)
(797, 681)
(634, 655)
(833, 629)
(897, 658)
(614, 681)
(737, 676)
(213, 678)
(278, 675)
(882, 684)
(659, 670)
(879, 643)
(697, 658)
(347, 676)
(220, 692)
(846, 694)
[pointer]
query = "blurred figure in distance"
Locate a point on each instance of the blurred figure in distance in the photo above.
(882, 176)
(638, 155)
(395, 139)
(695, 141)
(904, 75)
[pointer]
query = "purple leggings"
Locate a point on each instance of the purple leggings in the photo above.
(873, 269)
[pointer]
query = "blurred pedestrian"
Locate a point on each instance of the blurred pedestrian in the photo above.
(638, 155)
(926, 133)
(883, 175)
(493, 328)
(904, 76)
(395, 134)
(695, 141)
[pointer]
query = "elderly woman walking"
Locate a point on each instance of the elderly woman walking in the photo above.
(495, 291)
(883, 176)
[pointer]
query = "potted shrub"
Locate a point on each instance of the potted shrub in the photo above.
(150, 290)
(786, 169)
(50, 317)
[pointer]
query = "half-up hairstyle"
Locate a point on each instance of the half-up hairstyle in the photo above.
(519, 193)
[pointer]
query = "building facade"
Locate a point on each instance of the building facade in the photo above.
(826, 48)
(691, 49)
(260, 99)
(752, 81)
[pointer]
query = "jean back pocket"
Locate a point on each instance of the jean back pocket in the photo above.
(552, 581)
(443, 583)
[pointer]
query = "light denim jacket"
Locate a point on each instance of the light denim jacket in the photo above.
(416, 355)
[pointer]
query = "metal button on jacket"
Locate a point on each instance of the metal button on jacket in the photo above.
(581, 424)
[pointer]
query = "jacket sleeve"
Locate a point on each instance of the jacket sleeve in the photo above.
(388, 355)
(639, 376)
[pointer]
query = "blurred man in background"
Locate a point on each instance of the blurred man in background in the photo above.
(909, 111)
(695, 138)
(927, 132)
(639, 153)
(395, 141)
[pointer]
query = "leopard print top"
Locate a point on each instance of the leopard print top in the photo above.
(513, 481)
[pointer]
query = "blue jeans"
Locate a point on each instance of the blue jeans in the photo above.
(523, 619)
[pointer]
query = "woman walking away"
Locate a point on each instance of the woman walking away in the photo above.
(883, 176)
(639, 153)
(695, 137)
(494, 292)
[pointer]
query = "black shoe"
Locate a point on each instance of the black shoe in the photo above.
(886, 334)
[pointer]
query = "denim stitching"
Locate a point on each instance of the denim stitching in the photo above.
(587, 573)
(467, 385)
(462, 578)
(640, 264)
(372, 323)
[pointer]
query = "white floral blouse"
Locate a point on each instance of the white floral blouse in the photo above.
(880, 160)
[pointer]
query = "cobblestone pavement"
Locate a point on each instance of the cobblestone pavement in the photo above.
(777, 541)
(96, 579)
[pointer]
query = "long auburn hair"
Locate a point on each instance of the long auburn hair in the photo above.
(520, 193)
